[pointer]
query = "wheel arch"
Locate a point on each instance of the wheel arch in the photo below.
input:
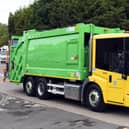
(27, 76)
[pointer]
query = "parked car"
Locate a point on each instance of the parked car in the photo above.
(3, 56)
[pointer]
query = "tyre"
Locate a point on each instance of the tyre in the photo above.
(29, 86)
(41, 89)
(94, 99)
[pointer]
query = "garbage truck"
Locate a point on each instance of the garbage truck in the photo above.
(78, 62)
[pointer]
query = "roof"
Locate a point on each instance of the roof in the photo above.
(78, 28)
(113, 35)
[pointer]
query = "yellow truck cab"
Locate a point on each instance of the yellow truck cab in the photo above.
(110, 68)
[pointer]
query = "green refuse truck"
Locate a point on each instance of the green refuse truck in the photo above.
(58, 61)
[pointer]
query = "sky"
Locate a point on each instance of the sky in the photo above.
(7, 6)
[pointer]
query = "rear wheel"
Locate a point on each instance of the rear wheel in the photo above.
(29, 86)
(41, 89)
(94, 99)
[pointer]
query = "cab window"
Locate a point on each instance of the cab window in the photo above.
(110, 54)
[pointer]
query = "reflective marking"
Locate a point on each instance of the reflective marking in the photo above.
(115, 83)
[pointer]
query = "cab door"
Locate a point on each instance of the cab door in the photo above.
(110, 57)
(116, 85)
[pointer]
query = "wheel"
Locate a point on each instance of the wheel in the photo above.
(29, 86)
(41, 89)
(94, 99)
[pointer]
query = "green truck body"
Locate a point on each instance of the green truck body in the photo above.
(59, 53)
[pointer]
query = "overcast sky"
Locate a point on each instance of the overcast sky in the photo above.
(7, 6)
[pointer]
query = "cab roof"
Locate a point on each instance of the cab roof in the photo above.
(113, 35)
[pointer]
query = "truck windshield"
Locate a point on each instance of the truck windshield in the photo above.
(113, 54)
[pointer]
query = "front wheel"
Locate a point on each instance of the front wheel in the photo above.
(94, 99)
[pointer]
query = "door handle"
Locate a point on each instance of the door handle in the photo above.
(110, 78)
(124, 76)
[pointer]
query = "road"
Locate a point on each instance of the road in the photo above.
(18, 113)
(58, 113)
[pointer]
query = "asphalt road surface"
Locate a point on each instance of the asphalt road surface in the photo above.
(21, 114)
(18, 111)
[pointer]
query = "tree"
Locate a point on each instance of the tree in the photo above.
(47, 14)
(11, 25)
(20, 21)
(40, 14)
(64, 13)
(3, 34)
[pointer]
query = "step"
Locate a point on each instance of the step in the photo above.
(55, 85)
(54, 91)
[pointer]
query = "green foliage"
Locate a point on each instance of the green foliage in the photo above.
(20, 21)
(46, 14)
(3, 34)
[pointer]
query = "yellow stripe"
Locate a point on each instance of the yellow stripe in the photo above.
(52, 76)
(14, 81)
